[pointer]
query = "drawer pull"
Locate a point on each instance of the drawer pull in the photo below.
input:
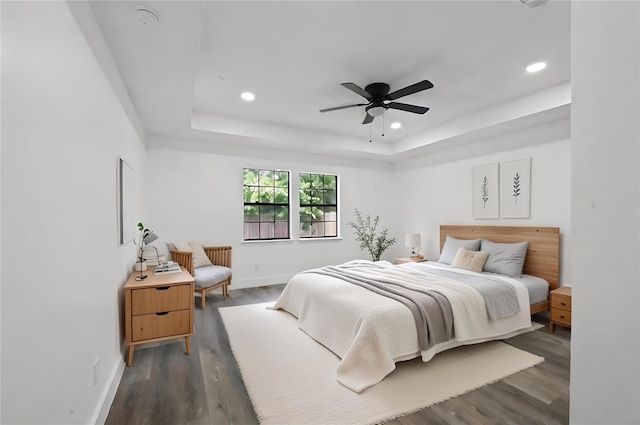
(163, 288)
(162, 314)
(563, 304)
(561, 316)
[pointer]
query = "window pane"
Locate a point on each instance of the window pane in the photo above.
(281, 195)
(329, 197)
(251, 231)
(282, 179)
(250, 214)
(251, 194)
(267, 213)
(330, 229)
(263, 190)
(251, 176)
(266, 230)
(318, 197)
(305, 229)
(266, 178)
(330, 182)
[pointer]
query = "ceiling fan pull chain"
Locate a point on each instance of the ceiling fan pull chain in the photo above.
(370, 125)
(382, 125)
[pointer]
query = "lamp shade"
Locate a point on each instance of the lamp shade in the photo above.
(150, 237)
(412, 240)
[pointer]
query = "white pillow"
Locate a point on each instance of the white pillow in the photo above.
(451, 246)
(200, 258)
(470, 260)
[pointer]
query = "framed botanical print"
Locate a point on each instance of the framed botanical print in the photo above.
(485, 195)
(516, 189)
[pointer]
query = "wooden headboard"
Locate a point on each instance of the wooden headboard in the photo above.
(543, 255)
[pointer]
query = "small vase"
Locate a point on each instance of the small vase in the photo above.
(140, 267)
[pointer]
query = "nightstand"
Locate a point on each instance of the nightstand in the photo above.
(411, 260)
(158, 308)
(560, 307)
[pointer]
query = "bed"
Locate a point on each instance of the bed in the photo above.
(348, 309)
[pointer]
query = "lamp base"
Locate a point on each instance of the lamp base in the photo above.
(140, 267)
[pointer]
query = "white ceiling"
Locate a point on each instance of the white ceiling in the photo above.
(185, 74)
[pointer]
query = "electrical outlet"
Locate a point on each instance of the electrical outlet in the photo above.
(96, 372)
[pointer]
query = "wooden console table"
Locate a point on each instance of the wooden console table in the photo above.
(158, 308)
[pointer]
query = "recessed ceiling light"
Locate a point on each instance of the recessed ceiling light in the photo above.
(535, 67)
(248, 96)
(396, 125)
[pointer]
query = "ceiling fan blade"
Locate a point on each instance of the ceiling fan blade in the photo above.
(413, 88)
(409, 108)
(357, 89)
(367, 119)
(343, 107)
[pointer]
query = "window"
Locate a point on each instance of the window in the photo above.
(318, 205)
(266, 204)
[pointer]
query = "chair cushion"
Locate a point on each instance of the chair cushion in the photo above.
(210, 275)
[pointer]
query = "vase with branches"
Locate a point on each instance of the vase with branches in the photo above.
(366, 233)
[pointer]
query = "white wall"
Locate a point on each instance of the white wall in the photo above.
(605, 340)
(62, 270)
(441, 194)
(198, 196)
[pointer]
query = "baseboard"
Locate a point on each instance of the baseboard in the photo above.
(106, 399)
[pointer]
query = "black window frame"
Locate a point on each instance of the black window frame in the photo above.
(328, 204)
(267, 205)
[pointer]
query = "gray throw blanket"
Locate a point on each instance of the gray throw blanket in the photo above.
(499, 296)
(431, 310)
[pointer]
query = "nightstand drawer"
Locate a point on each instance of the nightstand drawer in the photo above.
(561, 302)
(155, 300)
(561, 316)
(159, 325)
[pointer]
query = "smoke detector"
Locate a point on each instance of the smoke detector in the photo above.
(146, 16)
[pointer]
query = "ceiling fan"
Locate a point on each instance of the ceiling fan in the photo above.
(379, 99)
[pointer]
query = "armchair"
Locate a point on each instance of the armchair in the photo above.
(208, 275)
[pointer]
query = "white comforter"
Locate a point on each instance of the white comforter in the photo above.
(371, 332)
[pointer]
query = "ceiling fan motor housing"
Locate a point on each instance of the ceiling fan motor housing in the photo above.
(377, 90)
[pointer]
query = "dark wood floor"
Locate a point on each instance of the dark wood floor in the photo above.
(165, 386)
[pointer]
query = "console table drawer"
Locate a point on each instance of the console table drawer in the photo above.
(561, 316)
(156, 300)
(159, 325)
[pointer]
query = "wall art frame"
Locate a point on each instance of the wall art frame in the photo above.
(485, 193)
(126, 225)
(516, 188)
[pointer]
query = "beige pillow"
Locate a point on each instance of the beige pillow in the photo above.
(470, 260)
(183, 246)
(200, 258)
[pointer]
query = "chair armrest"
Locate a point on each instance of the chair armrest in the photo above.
(184, 258)
(219, 255)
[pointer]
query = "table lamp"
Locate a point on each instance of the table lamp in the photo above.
(412, 240)
(146, 238)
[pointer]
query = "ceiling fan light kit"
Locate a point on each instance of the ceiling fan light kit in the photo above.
(379, 99)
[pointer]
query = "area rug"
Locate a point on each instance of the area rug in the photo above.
(290, 377)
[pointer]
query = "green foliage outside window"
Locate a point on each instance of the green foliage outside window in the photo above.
(266, 204)
(318, 205)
